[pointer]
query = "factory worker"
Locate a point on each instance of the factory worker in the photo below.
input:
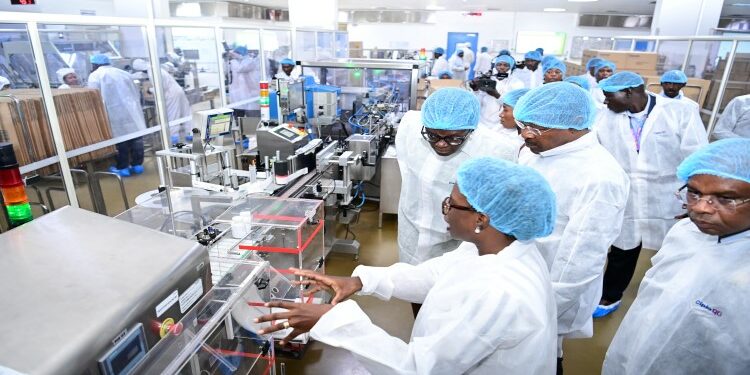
(179, 114)
(503, 74)
(458, 66)
(488, 305)
(590, 71)
(531, 76)
(68, 77)
(245, 84)
(690, 313)
(484, 62)
(468, 56)
(439, 62)
(507, 121)
(735, 120)
(547, 60)
(123, 103)
(649, 136)
(672, 83)
(579, 81)
(287, 70)
(591, 190)
(602, 70)
(4, 83)
(554, 71)
(445, 74)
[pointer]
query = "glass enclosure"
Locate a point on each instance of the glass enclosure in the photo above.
(305, 45)
(242, 68)
(277, 45)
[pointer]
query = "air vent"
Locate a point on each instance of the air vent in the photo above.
(615, 21)
(388, 16)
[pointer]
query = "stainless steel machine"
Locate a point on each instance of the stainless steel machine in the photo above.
(88, 294)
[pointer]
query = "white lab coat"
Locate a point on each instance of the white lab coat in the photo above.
(591, 79)
(489, 115)
(735, 119)
(458, 66)
(682, 98)
(672, 132)
(177, 104)
(426, 179)
(64, 86)
(245, 83)
(508, 84)
(439, 65)
(598, 95)
(490, 314)
(121, 98)
(530, 79)
(483, 64)
(690, 316)
(591, 191)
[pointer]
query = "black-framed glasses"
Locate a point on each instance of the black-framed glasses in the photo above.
(453, 140)
(447, 205)
(690, 198)
(534, 131)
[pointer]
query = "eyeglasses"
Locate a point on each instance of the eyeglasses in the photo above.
(453, 140)
(691, 198)
(534, 131)
(447, 205)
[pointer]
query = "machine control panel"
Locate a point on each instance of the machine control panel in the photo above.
(289, 132)
(126, 353)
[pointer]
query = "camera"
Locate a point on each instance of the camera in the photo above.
(485, 82)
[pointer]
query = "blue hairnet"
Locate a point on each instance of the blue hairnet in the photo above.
(620, 81)
(504, 52)
(448, 72)
(99, 59)
(727, 158)
(592, 62)
(557, 105)
(451, 109)
(506, 59)
(483, 49)
(604, 64)
(516, 198)
(288, 61)
(439, 50)
(533, 55)
(555, 64)
(580, 81)
(241, 50)
(540, 50)
(674, 76)
(546, 60)
(511, 97)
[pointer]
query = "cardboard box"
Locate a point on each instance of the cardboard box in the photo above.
(356, 49)
(625, 60)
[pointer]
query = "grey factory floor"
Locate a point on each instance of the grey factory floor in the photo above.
(378, 248)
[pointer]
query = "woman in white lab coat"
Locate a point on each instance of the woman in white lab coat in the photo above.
(245, 85)
(178, 109)
(487, 306)
(690, 316)
(458, 66)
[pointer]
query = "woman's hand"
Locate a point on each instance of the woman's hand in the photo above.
(301, 317)
(341, 287)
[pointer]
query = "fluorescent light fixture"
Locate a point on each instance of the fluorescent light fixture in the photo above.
(434, 7)
(554, 9)
(740, 5)
(582, 1)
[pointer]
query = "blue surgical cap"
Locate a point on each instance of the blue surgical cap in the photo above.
(556, 64)
(620, 81)
(516, 198)
(540, 50)
(604, 64)
(511, 97)
(99, 59)
(483, 49)
(674, 76)
(504, 52)
(506, 59)
(580, 81)
(448, 72)
(533, 55)
(439, 50)
(451, 109)
(287, 61)
(546, 60)
(241, 50)
(592, 62)
(557, 105)
(727, 158)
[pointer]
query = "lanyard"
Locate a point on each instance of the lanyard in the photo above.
(638, 129)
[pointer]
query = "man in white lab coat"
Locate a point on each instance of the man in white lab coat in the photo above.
(532, 76)
(439, 62)
(591, 191)
(244, 87)
(503, 73)
(458, 65)
(649, 136)
(488, 305)
(123, 103)
(602, 70)
(68, 77)
(672, 83)
(484, 62)
(590, 75)
(178, 109)
(735, 119)
(690, 316)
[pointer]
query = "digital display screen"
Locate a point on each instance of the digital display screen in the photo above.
(286, 133)
(218, 125)
(23, 2)
(126, 356)
(126, 353)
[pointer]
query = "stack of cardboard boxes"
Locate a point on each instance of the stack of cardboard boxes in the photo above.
(738, 83)
(643, 63)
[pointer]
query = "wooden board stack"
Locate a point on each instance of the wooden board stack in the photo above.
(83, 121)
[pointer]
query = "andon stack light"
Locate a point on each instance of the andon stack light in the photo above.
(423, 54)
(12, 188)
(265, 110)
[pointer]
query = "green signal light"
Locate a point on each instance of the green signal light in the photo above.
(19, 213)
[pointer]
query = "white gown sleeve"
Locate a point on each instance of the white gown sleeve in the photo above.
(728, 121)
